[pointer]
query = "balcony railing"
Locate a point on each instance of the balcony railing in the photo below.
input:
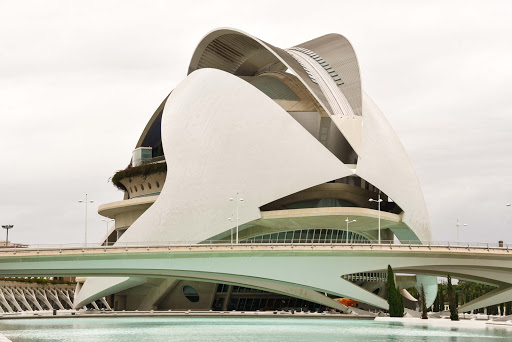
(152, 160)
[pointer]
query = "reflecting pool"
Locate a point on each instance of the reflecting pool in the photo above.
(192, 329)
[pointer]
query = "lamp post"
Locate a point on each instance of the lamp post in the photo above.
(508, 204)
(458, 226)
(7, 227)
(107, 222)
(378, 200)
(86, 201)
(348, 221)
(238, 200)
(231, 220)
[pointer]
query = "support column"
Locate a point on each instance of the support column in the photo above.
(227, 298)
(4, 301)
(31, 295)
(54, 296)
(65, 297)
(42, 296)
(157, 294)
(18, 293)
(10, 297)
(95, 306)
(104, 301)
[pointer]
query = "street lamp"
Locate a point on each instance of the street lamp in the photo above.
(378, 200)
(107, 222)
(458, 226)
(231, 220)
(238, 200)
(86, 201)
(7, 227)
(348, 221)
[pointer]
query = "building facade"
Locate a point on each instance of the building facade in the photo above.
(260, 144)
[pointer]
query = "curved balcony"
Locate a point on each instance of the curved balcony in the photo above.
(140, 181)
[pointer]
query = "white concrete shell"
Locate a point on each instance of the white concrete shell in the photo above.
(382, 158)
(232, 139)
(385, 163)
(279, 158)
(223, 136)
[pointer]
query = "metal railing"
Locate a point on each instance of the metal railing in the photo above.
(267, 243)
(151, 160)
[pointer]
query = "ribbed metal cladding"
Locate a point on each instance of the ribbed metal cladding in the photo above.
(303, 76)
(230, 52)
(243, 55)
(274, 88)
(338, 52)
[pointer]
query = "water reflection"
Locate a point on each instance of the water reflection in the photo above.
(193, 329)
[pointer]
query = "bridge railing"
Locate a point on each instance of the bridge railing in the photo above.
(251, 243)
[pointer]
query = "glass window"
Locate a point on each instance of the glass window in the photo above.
(190, 293)
(281, 236)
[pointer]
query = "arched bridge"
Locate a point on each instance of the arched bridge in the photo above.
(302, 270)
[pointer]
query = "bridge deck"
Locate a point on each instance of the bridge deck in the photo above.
(174, 248)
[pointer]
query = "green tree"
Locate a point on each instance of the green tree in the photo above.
(395, 301)
(454, 316)
(423, 303)
(441, 298)
(436, 302)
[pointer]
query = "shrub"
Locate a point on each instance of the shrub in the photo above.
(142, 171)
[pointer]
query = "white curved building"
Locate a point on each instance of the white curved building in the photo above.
(289, 131)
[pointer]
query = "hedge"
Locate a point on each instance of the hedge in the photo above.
(142, 171)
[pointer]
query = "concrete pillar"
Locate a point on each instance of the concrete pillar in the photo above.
(227, 298)
(40, 294)
(18, 293)
(4, 302)
(65, 297)
(30, 294)
(10, 297)
(156, 294)
(52, 294)
(104, 301)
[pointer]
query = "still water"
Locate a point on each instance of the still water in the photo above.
(234, 329)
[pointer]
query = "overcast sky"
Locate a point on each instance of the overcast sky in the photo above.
(80, 79)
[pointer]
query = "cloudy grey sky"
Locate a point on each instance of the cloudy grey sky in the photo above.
(80, 79)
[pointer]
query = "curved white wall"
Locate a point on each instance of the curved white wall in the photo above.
(222, 136)
(384, 163)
